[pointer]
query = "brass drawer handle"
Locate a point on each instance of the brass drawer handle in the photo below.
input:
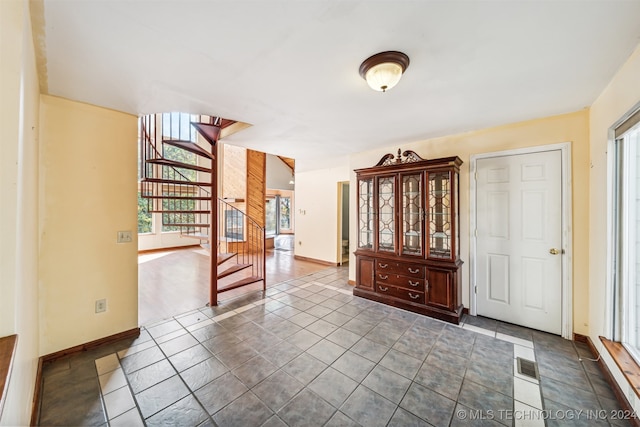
(414, 272)
(385, 277)
(383, 289)
(383, 265)
(413, 284)
(413, 296)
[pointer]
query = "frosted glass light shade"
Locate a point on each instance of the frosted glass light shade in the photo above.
(383, 71)
(384, 76)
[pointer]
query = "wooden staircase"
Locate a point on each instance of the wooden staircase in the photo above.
(179, 180)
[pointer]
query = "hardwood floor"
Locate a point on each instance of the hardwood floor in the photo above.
(176, 281)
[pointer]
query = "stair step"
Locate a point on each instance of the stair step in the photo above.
(166, 162)
(226, 123)
(234, 268)
(189, 146)
(225, 257)
(202, 237)
(178, 197)
(240, 283)
(167, 211)
(189, 225)
(208, 131)
(177, 181)
(230, 239)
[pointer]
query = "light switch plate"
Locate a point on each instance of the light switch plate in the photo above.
(125, 237)
(101, 305)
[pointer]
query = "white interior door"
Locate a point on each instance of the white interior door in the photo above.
(519, 239)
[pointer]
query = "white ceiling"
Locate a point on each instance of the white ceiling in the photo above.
(290, 68)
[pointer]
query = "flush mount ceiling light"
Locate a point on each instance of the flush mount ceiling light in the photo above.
(383, 70)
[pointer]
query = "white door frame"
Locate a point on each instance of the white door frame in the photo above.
(567, 259)
(341, 186)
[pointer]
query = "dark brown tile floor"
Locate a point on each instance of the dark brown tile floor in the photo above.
(307, 352)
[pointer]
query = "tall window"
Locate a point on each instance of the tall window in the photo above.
(277, 215)
(177, 126)
(285, 213)
(271, 216)
(145, 224)
(145, 218)
(626, 220)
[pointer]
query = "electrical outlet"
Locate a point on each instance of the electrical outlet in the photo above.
(101, 305)
(125, 237)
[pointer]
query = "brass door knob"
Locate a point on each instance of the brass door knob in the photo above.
(554, 251)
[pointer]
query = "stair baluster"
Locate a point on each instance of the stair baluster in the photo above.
(178, 185)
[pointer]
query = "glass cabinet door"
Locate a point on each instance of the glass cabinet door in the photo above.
(439, 215)
(365, 213)
(456, 213)
(412, 214)
(386, 214)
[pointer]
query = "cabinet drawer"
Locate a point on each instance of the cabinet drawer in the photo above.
(411, 283)
(405, 294)
(402, 268)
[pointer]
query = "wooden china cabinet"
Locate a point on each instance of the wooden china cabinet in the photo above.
(408, 253)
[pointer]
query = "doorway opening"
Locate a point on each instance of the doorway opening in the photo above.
(343, 222)
(279, 219)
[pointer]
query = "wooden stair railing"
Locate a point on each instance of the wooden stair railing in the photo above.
(242, 235)
(177, 185)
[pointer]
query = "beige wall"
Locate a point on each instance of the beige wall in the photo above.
(19, 105)
(88, 194)
(316, 212)
(622, 93)
(572, 128)
(12, 68)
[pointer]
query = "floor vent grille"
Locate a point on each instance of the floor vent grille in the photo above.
(528, 368)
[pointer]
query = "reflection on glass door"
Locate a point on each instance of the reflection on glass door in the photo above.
(386, 214)
(278, 215)
(439, 215)
(270, 216)
(284, 213)
(365, 213)
(412, 214)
